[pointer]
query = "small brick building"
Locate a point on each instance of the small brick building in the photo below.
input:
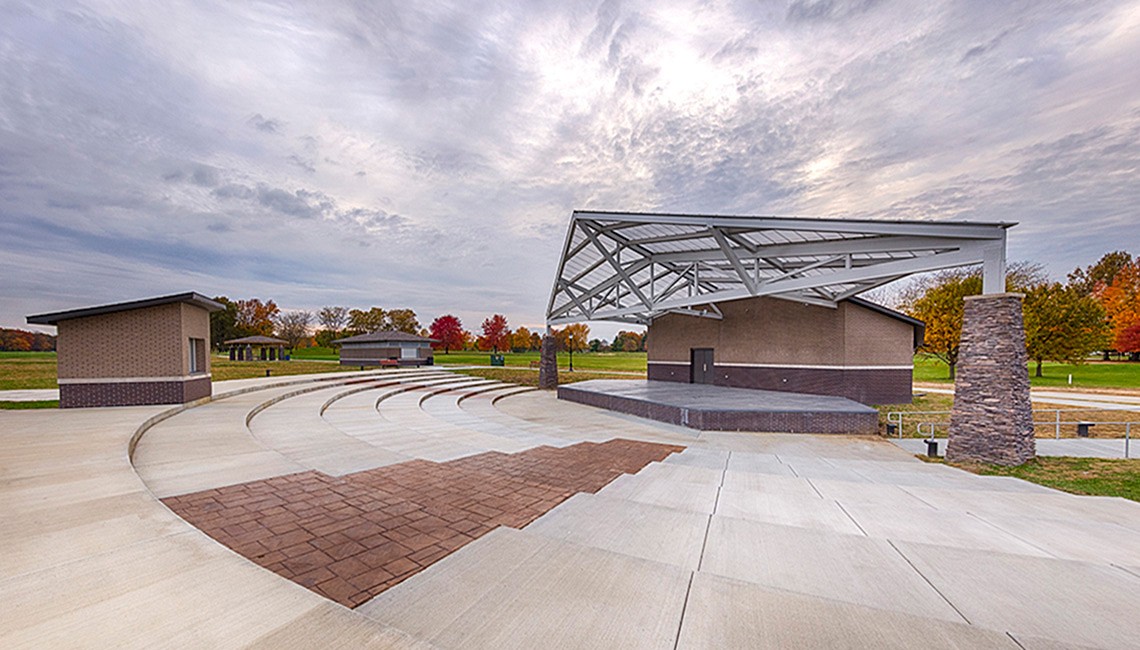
(388, 348)
(153, 351)
(857, 349)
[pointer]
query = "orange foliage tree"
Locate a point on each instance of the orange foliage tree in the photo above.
(1121, 301)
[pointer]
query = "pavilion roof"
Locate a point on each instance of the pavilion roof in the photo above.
(256, 340)
(632, 267)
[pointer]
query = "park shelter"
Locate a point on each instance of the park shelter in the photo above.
(152, 351)
(765, 302)
(256, 348)
(386, 348)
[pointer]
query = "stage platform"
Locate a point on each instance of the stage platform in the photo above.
(719, 408)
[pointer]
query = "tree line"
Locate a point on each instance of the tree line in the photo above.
(1096, 310)
(14, 340)
(253, 317)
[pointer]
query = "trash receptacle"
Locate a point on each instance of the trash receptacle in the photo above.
(892, 430)
(1083, 429)
(497, 360)
(931, 448)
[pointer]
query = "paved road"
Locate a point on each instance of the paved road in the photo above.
(1107, 401)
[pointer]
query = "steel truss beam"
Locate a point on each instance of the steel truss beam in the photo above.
(635, 267)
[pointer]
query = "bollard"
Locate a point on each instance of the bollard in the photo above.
(931, 448)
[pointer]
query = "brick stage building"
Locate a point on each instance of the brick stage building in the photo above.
(857, 349)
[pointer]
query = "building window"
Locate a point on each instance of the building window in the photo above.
(197, 356)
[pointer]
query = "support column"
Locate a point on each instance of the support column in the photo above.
(992, 420)
(548, 362)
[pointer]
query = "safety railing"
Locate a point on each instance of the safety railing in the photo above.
(926, 427)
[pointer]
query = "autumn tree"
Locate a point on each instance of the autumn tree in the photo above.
(1129, 341)
(448, 331)
(403, 320)
(496, 332)
(535, 341)
(363, 322)
(293, 326)
(574, 338)
(938, 300)
(15, 340)
(1099, 275)
(628, 342)
(255, 318)
(1062, 324)
(520, 340)
(1121, 301)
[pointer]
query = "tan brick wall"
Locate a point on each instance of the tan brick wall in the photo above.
(770, 330)
(874, 339)
(150, 342)
(195, 324)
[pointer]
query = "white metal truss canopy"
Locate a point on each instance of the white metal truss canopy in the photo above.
(634, 267)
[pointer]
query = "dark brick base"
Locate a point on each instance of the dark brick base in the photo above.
(863, 386)
(709, 419)
(140, 393)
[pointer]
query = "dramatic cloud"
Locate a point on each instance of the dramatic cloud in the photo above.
(393, 154)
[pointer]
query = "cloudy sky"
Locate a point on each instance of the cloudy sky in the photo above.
(429, 155)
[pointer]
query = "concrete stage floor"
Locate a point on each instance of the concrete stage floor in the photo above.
(720, 408)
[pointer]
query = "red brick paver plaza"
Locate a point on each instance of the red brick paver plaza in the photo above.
(351, 537)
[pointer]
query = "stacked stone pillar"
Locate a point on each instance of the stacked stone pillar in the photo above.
(992, 420)
(548, 363)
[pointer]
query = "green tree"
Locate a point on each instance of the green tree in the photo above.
(938, 300)
(403, 320)
(1062, 324)
(363, 322)
(223, 323)
(1101, 274)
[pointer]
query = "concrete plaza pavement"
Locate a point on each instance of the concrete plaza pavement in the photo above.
(738, 540)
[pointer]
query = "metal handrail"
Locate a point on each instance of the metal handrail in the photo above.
(1057, 422)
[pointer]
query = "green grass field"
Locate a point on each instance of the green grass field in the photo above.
(611, 361)
(1095, 374)
(1095, 476)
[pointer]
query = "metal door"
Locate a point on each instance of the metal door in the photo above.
(701, 366)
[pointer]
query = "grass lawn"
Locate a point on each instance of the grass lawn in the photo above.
(21, 406)
(527, 377)
(316, 354)
(1096, 374)
(1097, 476)
(223, 369)
(23, 370)
(599, 361)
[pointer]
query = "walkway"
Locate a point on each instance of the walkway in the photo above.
(528, 518)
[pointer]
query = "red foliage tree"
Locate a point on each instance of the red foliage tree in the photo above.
(1128, 340)
(496, 332)
(449, 331)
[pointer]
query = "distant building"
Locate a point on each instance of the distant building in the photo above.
(256, 348)
(389, 348)
(857, 349)
(153, 351)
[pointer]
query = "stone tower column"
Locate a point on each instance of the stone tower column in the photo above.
(548, 362)
(992, 420)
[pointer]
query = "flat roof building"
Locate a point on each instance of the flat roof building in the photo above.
(386, 348)
(152, 351)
